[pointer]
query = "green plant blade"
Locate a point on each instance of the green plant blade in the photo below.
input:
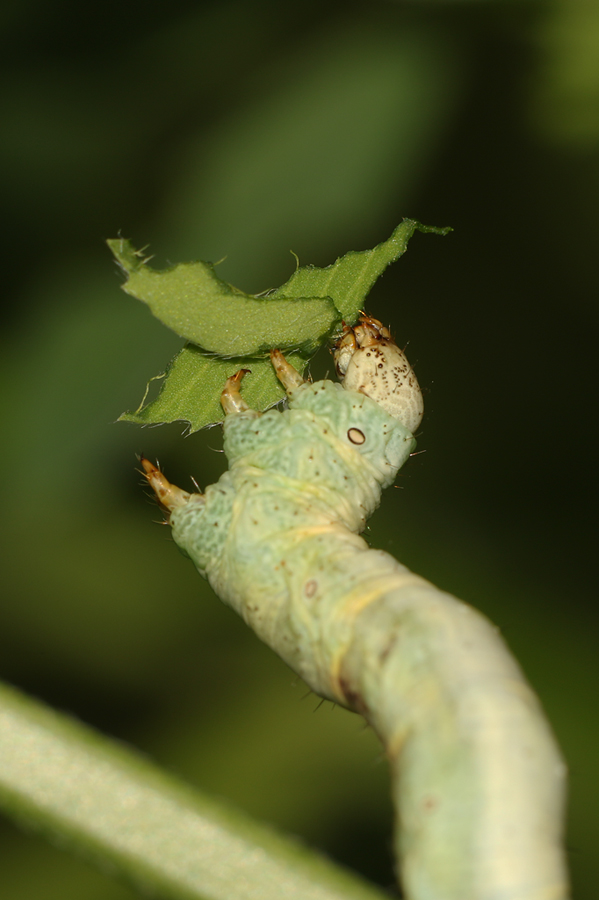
(193, 384)
(109, 804)
(238, 329)
(218, 317)
(348, 281)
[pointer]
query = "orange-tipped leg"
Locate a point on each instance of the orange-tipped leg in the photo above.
(344, 349)
(231, 399)
(169, 495)
(289, 377)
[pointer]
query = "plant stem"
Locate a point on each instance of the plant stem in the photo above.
(107, 803)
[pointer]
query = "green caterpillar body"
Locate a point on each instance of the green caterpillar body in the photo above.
(298, 482)
(477, 779)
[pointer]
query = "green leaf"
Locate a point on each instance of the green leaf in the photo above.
(218, 317)
(194, 382)
(112, 806)
(238, 329)
(349, 280)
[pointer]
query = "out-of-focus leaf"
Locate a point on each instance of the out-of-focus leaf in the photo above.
(338, 138)
(566, 85)
(218, 317)
(194, 382)
(349, 280)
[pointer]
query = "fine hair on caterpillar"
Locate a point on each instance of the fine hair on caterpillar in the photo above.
(477, 778)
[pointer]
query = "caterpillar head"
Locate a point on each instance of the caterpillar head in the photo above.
(368, 360)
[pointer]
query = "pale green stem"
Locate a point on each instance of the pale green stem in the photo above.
(115, 808)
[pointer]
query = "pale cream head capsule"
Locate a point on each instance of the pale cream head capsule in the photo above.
(368, 360)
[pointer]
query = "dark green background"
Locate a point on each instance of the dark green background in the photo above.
(246, 130)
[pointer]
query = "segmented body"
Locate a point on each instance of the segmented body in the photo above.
(298, 482)
(477, 777)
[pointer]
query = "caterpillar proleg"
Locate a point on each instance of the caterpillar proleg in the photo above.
(478, 780)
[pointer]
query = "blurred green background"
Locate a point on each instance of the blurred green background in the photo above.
(245, 130)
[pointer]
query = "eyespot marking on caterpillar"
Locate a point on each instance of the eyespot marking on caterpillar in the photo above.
(356, 436)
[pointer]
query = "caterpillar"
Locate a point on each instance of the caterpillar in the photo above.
(477, 778)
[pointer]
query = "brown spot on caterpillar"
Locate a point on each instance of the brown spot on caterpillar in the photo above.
(387, 650)
(354, 699)
(310, 587)
(356, 436)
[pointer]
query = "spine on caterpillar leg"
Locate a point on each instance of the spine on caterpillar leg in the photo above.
(477, 778)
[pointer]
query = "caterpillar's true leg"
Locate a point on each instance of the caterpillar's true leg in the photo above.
(344, 349)
(289, 377)
(169, 495)
(230, 399)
